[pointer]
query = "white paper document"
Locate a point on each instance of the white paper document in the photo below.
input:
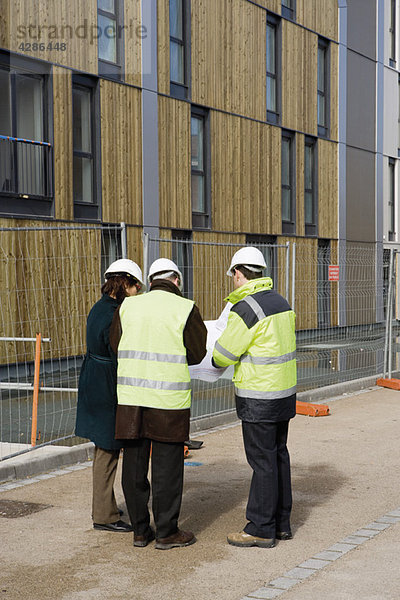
(205, 370)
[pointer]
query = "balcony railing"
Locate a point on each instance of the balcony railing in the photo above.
(25, 168)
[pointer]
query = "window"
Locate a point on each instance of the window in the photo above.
(267, 244)
(392, 33)
(391, 203)
(86, 192)
(288, 183)
(289, 9)
(323, 87)
(200, 165)
(323, 285)
(26, 159)
(273, 68)
(110, 41)
(179, 44)
(310, 186)
(182, 255)
(111, 247)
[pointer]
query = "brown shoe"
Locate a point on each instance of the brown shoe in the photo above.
(245, 540)
(176, 540)
(142, 540)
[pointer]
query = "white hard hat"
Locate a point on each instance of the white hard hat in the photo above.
(164, 265)
(249, 256)
(124, 266)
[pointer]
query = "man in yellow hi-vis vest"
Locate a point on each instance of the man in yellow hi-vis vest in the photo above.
(260, 341)
(156, 339)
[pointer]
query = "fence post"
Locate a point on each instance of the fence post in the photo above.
(36, 389)
(287, 269)
(388, 327)
(145, 238)
(293, 276)
(124, 245)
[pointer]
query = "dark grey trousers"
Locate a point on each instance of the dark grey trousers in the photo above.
(166, 484)
(270, 498)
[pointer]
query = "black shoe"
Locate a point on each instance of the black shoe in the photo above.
(283, 535)
(119, 526)
(194, 444)
(142, 540)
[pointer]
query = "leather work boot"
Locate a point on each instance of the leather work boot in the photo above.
(118, 526)
(283, 535)
(176, 540)
(141, 541)
(245, 540)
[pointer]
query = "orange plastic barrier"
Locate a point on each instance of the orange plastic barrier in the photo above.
(393, 384)
(311, 410)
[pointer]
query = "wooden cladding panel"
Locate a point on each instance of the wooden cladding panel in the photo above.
(163, 46)
(135, 244)
(174, 163)
(272, 5)
(133, 43)
(299, 78)
(228, 56)
(49, 291)
(210, 264)
(63, 148)
(306, 307)
(69, 22)
(320, 16)
(246, 171)
(327, 189)
(121, 152)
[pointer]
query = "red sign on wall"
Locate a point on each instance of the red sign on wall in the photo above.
(333, 273)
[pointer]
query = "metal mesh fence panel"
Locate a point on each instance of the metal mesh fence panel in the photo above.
(50, 278)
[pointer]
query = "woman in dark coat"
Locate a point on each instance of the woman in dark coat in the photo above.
(97, 392)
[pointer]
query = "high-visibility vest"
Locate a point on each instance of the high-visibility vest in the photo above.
(152, 365)
(260, 341)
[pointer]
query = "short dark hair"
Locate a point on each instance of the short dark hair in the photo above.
(116, 286)
(247, 273)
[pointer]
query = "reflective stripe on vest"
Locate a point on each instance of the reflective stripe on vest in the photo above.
(268, 360)
(154, 385)
(155, 356)
(242, 393)
(224, 352)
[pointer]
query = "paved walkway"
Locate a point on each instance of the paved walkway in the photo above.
(346, 522)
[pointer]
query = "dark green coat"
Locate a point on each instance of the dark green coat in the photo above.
(97, 390)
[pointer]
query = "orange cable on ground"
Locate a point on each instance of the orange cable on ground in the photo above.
(311, 410)
(36, 389)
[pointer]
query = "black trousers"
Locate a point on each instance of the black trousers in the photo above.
(270, 497)
(166, 483)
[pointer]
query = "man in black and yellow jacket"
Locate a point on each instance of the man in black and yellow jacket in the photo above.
(260, 341)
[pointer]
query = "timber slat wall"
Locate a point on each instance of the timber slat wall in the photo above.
(319, 15)
(246, 175)
(79, 53)
(121, 152)
(163, 46)
(327, 189)
(228, 68)
(174, 158)
(133, 43)
(299, 78)
(63, 150)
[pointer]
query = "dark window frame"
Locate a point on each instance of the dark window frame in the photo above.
(323, 128)
(12, 203)
(183, 239)
(392, 32)
(182, 91)
(392, 200)
(289, 226)
(108, 69)
(202, 220)
(255, 239)
(289, 12)
(274, 116)
(311, 229)
(90, 211)
(324, 312)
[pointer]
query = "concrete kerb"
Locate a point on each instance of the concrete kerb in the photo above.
(47, 458)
